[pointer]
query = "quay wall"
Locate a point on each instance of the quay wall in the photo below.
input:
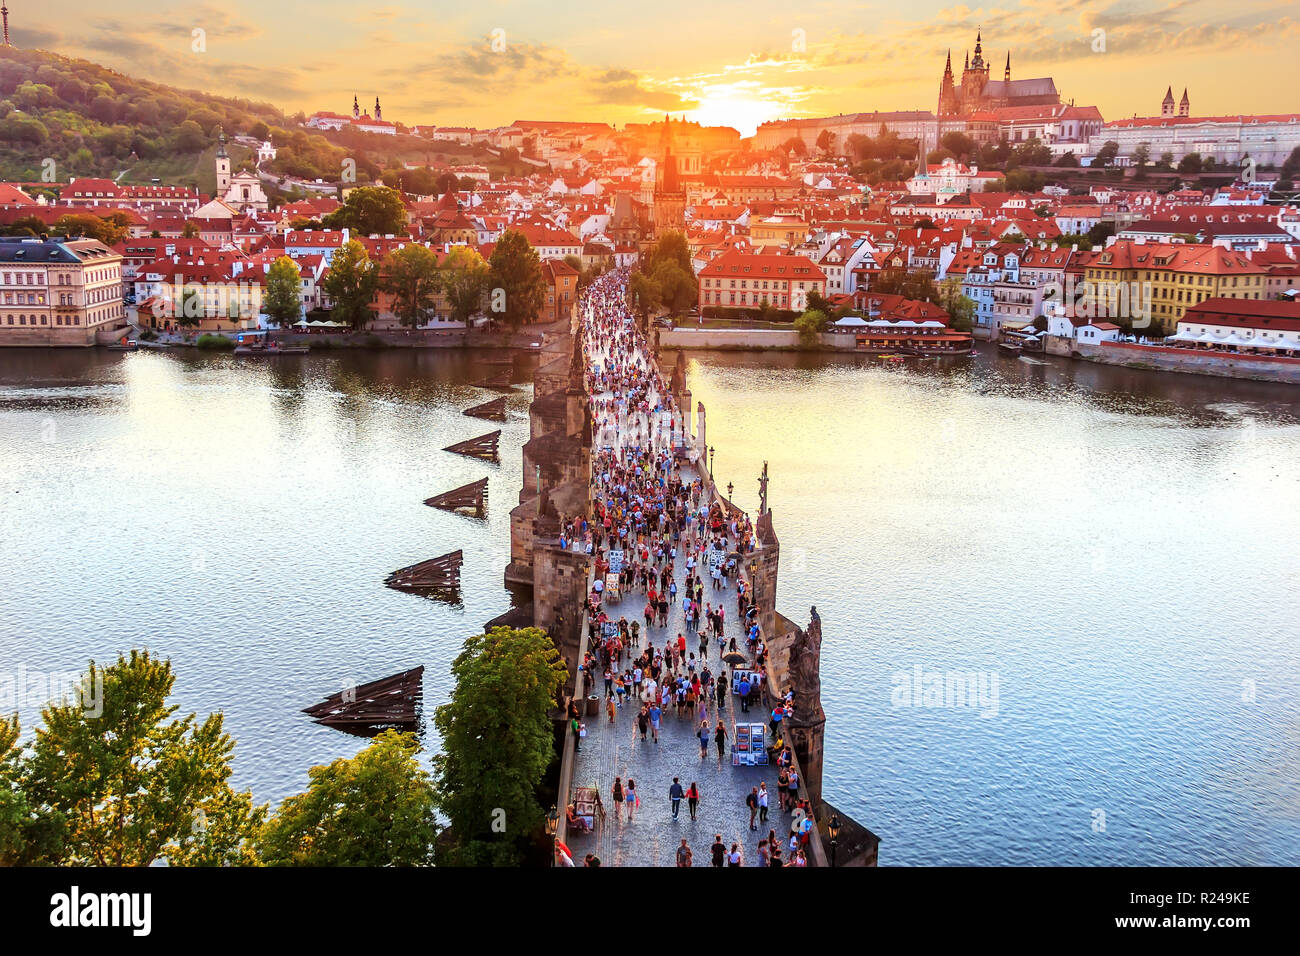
(751, 339)
(1261, 368)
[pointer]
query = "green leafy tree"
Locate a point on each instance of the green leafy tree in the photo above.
(1106, 155)
(498, 740)
(810, 325)
(515, 280)
(370, 211)
(1191, 163)
(678, 289)
(910, 285)
(643, 294)
(410, 276)
(960, 308)
(464, 281)
(130, 783)
(375, 809)
(283, 301)
(796, 146)
(27, 837)
(351, 283)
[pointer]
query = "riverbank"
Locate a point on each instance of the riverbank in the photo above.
(1158, 358)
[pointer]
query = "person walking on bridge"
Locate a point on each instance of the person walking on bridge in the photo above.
(675, 794)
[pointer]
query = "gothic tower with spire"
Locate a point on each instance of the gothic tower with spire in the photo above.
(948, 103)
(669, 196)
(356, 107)
(4, 10)
(379, 114)
(1185, 105)
(1167, 104)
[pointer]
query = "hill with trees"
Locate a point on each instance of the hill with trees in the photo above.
(62, 118)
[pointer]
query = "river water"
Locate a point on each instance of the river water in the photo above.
(1111, 553)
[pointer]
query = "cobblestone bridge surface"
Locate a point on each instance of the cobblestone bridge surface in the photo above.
(650, 836)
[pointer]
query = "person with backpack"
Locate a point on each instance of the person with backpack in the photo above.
(704, 735)
(618, 796)
(720, 738)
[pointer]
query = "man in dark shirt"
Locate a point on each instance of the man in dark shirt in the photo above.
(719, 850)
(675, 794)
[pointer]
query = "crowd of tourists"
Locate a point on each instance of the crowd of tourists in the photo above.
(648, 521)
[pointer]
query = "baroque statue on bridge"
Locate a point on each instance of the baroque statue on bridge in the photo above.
(804, 668)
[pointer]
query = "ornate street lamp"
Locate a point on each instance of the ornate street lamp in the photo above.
(834, 827)
(730, 489)
(711, 450)
(552, 820)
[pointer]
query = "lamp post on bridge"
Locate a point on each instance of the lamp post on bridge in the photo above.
(711, 451)
(834, 827)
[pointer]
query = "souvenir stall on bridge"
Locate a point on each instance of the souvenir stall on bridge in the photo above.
(749, 745)
(588, 811)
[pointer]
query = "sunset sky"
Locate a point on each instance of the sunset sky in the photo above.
(725, 63)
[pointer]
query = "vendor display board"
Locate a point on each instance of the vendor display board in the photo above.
(736, 677)
(616, 561)
(587, 806)
(749, 745)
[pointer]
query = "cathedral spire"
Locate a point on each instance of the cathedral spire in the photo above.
(967, 66)
(379, 114)
(4, 9)
(1007, 75)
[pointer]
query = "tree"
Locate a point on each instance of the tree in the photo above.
(190, 230)
(1067, 159)
(464, 279)
(959, 144)
(376, 809)
(283, 301)
(910, 285)
(643, 294)
(25, 226)
(109, 231)
(1191, 163)
(1106, 155)
(960, 308)
(515, 279)
(370, 211)
(497, 740)
(826, 142)
(27, 837)
(127, 782)
(796, 146)
(1141, 156)
(351, 283)
(678, 289)
(809, 325)
(411, 277)
(671, 247)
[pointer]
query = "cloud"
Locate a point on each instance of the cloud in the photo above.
(620, 87)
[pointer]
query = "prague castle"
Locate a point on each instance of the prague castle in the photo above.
(977, 93)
